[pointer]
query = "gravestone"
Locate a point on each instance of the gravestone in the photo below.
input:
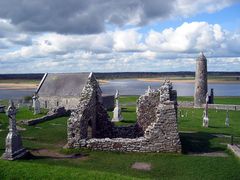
(2, 108)
(36, 104)
(149, 90)
(117, 110)
(227, 119)
(211, 99)
(13, 148)
(205, 118)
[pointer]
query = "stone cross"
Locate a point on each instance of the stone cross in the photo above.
(117, 110)
(117, 98)
(149, 90)
(36, 104)
(227, 119)
(14, 149)
(205, 118)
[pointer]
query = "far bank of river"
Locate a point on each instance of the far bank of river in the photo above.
(138, 87)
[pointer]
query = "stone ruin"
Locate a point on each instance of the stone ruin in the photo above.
(155, 130)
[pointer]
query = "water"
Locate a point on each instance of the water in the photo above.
(136, 87)
(15, 94)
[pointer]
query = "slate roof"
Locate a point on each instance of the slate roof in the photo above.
(62, 84)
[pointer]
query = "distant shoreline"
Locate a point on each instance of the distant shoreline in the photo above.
(213, 81)
(27, 85)
(18, 86)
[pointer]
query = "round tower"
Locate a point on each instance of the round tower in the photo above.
(201, 86)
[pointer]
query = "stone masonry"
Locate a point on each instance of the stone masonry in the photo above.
(155, 131)
(201, 86)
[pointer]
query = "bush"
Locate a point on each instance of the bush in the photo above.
(27, 98)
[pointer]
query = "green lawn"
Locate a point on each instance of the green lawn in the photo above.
(114, 165)
(217, 99)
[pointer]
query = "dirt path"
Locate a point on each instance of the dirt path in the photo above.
(46, 153)
(210, 154)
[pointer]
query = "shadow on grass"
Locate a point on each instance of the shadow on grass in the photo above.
(197, 143)
(31, 156)
(217, 127)
(128, 121)
(127, 110)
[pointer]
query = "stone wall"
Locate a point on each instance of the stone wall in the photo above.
(55, 102)
(160, 136)
(53, 114)
(189, 104)
(89, 119)
(146, 109)
(70, 102)
(224, 107)
(108, 101)
(155, 130)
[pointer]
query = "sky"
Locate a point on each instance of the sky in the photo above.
(38, 36)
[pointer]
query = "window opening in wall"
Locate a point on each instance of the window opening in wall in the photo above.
(45, 105)
(89, 130)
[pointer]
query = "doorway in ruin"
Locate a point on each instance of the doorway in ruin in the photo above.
(89, 130)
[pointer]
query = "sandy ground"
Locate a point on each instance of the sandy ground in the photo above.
(18, 85)
(185, 80)
(102, 81)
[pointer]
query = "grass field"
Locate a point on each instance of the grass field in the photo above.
(217, 99)
(114, 165)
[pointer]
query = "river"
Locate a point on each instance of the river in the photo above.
(136, 87)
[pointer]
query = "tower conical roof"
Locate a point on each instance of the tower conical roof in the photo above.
(201, 57)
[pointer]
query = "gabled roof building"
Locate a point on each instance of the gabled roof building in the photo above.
(62, 89)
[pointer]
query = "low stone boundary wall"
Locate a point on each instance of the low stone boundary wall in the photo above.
(140, 144)
(224, 107)
(50, 116)
(189, 104)
(235, 149)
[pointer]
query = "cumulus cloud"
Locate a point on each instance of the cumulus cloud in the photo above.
(127, 40)
(195, 37)
(91, 16)
(172, 49)
(189, 7)
(10, 35)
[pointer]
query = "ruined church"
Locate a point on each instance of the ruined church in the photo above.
(155, 130)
